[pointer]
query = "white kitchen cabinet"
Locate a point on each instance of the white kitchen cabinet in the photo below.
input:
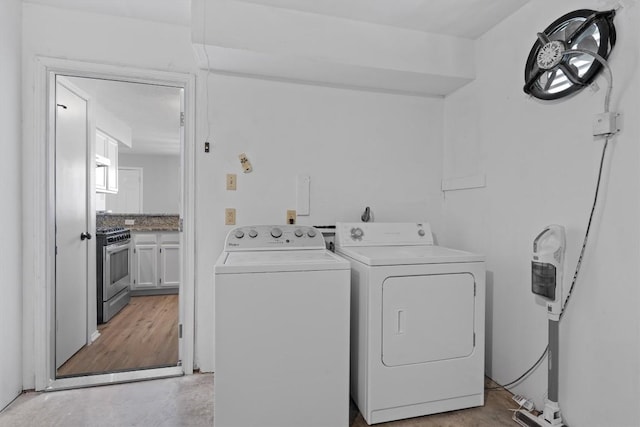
(106, 175)
(155, 262)
(145, 266)
(169, 260)
(101, 167)
(112, 169)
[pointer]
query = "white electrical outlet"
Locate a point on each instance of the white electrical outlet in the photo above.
(230, 216)
(291, 216)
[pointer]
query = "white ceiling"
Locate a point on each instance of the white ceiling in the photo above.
(176, 12)
(152, 115)
(462, 18)
(152, 112)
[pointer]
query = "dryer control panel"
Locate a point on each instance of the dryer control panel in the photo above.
(383, 234)
(273, 237)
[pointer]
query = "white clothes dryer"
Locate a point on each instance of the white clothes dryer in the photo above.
(281, 330)
(417, 321)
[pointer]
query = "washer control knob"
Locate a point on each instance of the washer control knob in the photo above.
(311, 232)
(239, 234)
(421, 232)
(253, 234)
(298, 232)
(276, 232)
(357, 233)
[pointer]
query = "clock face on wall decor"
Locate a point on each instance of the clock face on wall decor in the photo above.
(564, 58)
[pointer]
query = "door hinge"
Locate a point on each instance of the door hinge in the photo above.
(474, 289)
(181, 118)
(134, 250)
(160, 250)
(160, 280)
(180, 224)
(474, 339)
(180, 330)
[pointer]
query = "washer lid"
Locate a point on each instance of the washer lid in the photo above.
(273, 261)
(408, 255)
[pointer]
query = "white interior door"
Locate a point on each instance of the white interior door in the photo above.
(128, 199)
(71, 223)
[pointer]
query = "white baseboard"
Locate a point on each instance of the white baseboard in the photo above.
(94, 336)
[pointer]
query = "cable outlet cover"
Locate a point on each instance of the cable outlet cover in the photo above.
(605, 124)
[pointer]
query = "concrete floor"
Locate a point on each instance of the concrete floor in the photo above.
(188, 401)
(171, 402)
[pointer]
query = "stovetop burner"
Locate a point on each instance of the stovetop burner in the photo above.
(109, 235)
(110, 230)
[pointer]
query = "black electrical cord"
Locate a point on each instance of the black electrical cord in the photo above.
(586, 234)
(575, 275)
(523, 376)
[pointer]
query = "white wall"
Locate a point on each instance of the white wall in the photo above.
(161, 181)
(10, 214)
(359, 148)
(110, 124)
(541, 165)
(312, 47)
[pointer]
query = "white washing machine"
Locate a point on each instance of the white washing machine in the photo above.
(417, 321)
(281, 330)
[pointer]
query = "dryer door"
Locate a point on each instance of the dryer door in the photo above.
(427, 318)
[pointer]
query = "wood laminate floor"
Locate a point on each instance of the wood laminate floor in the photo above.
(142, 335)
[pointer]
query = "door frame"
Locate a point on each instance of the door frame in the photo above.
(43, 193)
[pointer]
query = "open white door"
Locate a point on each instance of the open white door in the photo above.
(71, 276)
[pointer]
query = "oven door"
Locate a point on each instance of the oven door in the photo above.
(116, 274)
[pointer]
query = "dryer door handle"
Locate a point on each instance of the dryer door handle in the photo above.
(401, 315)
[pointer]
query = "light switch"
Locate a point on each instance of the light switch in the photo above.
(230, 216)
(231, 181)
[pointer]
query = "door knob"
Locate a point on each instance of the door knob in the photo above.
(85, 236)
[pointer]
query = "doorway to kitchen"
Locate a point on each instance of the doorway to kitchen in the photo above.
(121, 306)
(135, 128)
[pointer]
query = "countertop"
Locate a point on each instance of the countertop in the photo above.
(140, 222)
